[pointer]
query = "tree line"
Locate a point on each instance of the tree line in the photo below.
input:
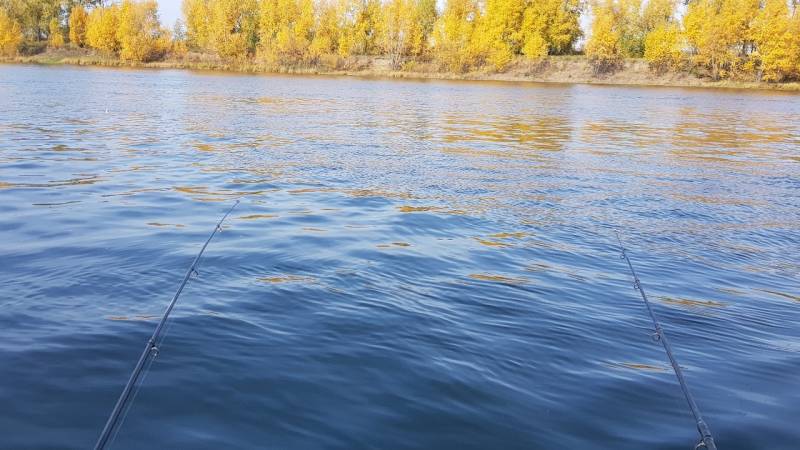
(719, 38)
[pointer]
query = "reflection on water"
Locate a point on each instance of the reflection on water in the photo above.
(413, 265)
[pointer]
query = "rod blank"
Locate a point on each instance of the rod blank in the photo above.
(706, 439)
(150, 350)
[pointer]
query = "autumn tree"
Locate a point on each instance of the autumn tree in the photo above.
(326, 30)
(663, 38)
(10, 34)
(718, 32)
(285, 30)
(78, 20)
(776, 34)
(550, 27)
(233, 27)
(179, 41)
(663, 47)
(56, 34)
(396, 23)
(604, 48)
(33, 16)
(497, 35)
(360, 27)
(425, 16)
(101, 29)
(140, 35)
(453, 35)
(198, 27)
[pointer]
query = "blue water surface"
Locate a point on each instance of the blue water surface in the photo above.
(414, 265)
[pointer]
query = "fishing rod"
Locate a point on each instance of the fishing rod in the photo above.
(150, 350)
(706, 439)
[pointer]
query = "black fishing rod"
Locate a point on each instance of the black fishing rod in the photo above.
(706, 439)
(150, 350)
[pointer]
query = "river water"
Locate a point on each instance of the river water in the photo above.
(414, 264)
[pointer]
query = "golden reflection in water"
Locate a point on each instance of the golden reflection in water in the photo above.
(394, 245)
(413, 209)
(732, 138)
(157, 224)
(279, 279)
(258, 216)
(513, 235)
(491, 243)
(621, 132)
(379, 193)
(494, 278)
(203, 194)
(548, 133)
(86, 180)
(203, 147)
(688, 303)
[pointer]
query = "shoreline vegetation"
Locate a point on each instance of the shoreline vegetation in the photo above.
(692, 43)
(572, 69)
(575, 69)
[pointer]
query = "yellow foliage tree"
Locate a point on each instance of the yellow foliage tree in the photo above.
(101, 29)
(604, 45)
(396, 26)
(360, 27)
(663, 38)
(178, 46)
(78, 19)
(233, 27)
(286, 30)
(198, 27)
(10, 34)
(662, 47)
(497, 36)
(424, 20)
(550, 27)
(718, 31)
(627, 20)
(140, 35)
(326, 30)
(777, 37)
(56, 35)
(657, 13)
(453, 34)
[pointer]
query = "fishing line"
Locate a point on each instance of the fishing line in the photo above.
(706, 439)
(150, 352)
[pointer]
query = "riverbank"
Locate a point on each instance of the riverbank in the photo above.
(558, 69)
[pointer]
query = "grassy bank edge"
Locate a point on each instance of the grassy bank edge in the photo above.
(565, 70)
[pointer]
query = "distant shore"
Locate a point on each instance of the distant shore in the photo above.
(554, 69)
